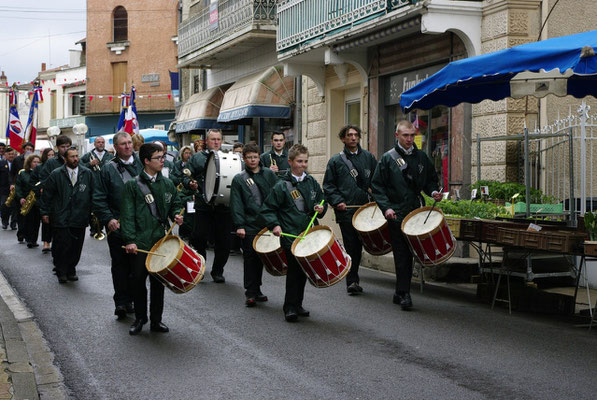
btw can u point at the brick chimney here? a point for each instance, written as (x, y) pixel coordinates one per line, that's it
(3, 79)
(43, 67)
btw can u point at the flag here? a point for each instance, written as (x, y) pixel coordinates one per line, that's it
(130, 125)
(14, 130)
(31, 128)
(124, 103)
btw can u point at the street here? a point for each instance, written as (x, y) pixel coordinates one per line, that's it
(363, 347)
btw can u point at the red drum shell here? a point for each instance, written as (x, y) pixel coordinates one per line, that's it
(434, 247)
(184, 271)
(275, 262)
(376, 242)
(328, 266)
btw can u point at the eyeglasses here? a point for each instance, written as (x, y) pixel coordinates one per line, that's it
(161, 158)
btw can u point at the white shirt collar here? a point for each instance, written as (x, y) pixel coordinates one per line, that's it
(130, 160)
(278, 154)
(299, 178)
(407, 152)
(151, 177)
(100, 155)
(70, 171)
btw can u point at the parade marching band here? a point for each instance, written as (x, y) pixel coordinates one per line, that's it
(269, 201)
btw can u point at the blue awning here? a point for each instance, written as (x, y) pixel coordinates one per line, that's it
(563, 66)
(201, 111)
(267, 94)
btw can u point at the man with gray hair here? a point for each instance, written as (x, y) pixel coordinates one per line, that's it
(106, 204)
(209, 219)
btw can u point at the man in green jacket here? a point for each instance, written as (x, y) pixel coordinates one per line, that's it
(277, 158)
(63, 143)
(107, 201)
(346, 183)
(147, 202)
(289, 208)
(249, 189)
(210, 221)
(401, 174)
(67, 199)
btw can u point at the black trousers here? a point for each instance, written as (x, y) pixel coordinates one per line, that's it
(122, 270)
(9, 214)
(403, 258)
(156, 296)
(46, 232)
(354, 248)
(66, 249)
(219, 223)
(295, 283)
(31, 223)
(21, 228)
(253, 268)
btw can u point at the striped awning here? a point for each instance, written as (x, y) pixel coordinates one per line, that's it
(201, 110)
(268, 94)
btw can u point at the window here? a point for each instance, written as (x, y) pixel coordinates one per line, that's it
(120, 24)
(53, 101)
(77, 103)
(196, 81)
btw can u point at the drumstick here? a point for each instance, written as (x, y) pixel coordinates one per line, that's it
(432, 207)
(147, 252)
(289, 235)
(312, 220)
(172, 227)
(373, 213)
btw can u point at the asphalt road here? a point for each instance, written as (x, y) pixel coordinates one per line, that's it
(361, 347)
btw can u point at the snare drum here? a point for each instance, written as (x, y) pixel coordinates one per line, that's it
(180, 269)
(373, 229)
(431, 242)
(220, 169)
(322, 258)
(271, 253)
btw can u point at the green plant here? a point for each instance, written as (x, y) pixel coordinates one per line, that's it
(505, 191)
(468, 208)
(591, 224)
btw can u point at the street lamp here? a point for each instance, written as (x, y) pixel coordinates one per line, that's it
(80, 130)
(53, 132)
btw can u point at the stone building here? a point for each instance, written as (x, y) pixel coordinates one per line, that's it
(131, 42)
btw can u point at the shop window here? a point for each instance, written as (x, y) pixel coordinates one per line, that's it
(120, 24)
(353, 113)
(77, 103)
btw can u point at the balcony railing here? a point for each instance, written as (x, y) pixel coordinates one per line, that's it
(233, 15)
(302, 20)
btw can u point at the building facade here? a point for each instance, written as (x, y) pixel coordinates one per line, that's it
(130, 42)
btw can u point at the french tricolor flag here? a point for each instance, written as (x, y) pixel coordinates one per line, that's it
(128, 118)
(31, 128)
(14, 130)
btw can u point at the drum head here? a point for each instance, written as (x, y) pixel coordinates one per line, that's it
(266, 243)
(369, 218)
(315, 241)
(169, 248)
(415, 225)
(211, 177)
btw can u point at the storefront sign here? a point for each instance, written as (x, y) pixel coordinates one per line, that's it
(213, 15)
(398, 84)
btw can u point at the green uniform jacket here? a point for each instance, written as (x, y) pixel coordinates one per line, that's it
(281, 161)
(176, 175)
(185, 194)
(86, 159)
(170, 170)
(340, 187)
(107, 199)
(137, 224)
(68, 206)
(49, 166)
(22, 185)
(391, 188)
(197, 165)
(246, 214)
(279, 208)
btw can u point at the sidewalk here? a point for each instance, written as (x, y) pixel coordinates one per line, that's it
(27, 370)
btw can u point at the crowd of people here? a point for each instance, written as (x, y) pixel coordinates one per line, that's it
(137, 191)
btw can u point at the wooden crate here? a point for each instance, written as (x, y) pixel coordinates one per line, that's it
(590, 248)
(470, 229)
(564, 242)
(508, 236)
(489, 231)
(532, 240)
(454, 224)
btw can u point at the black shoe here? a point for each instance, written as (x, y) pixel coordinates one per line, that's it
(406, 303)
(13, 228)
(120, 312)
(397, 299)
(62, 279)
(218, 278)
(261, 297)
(130, 309)
(250, 301)
(46, 250)
(136, 327)
(32, 245)
(21, 240)
(354, 288)
(158, 327)
(302, 312)
(72, 278)
(5, 227)
(290, 315)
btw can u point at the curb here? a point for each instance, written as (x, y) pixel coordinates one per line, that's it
(28, 362)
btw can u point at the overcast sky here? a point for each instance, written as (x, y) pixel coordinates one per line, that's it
(37, 31)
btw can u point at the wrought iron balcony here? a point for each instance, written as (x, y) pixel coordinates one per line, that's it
(300, 21)
(234, 16)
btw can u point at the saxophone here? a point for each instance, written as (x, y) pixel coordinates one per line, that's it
(11, 197)
(29, 203)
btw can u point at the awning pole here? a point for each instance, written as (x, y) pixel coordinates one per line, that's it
(478, 157)
(583, 157)
(571, 169)
(527, 171)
